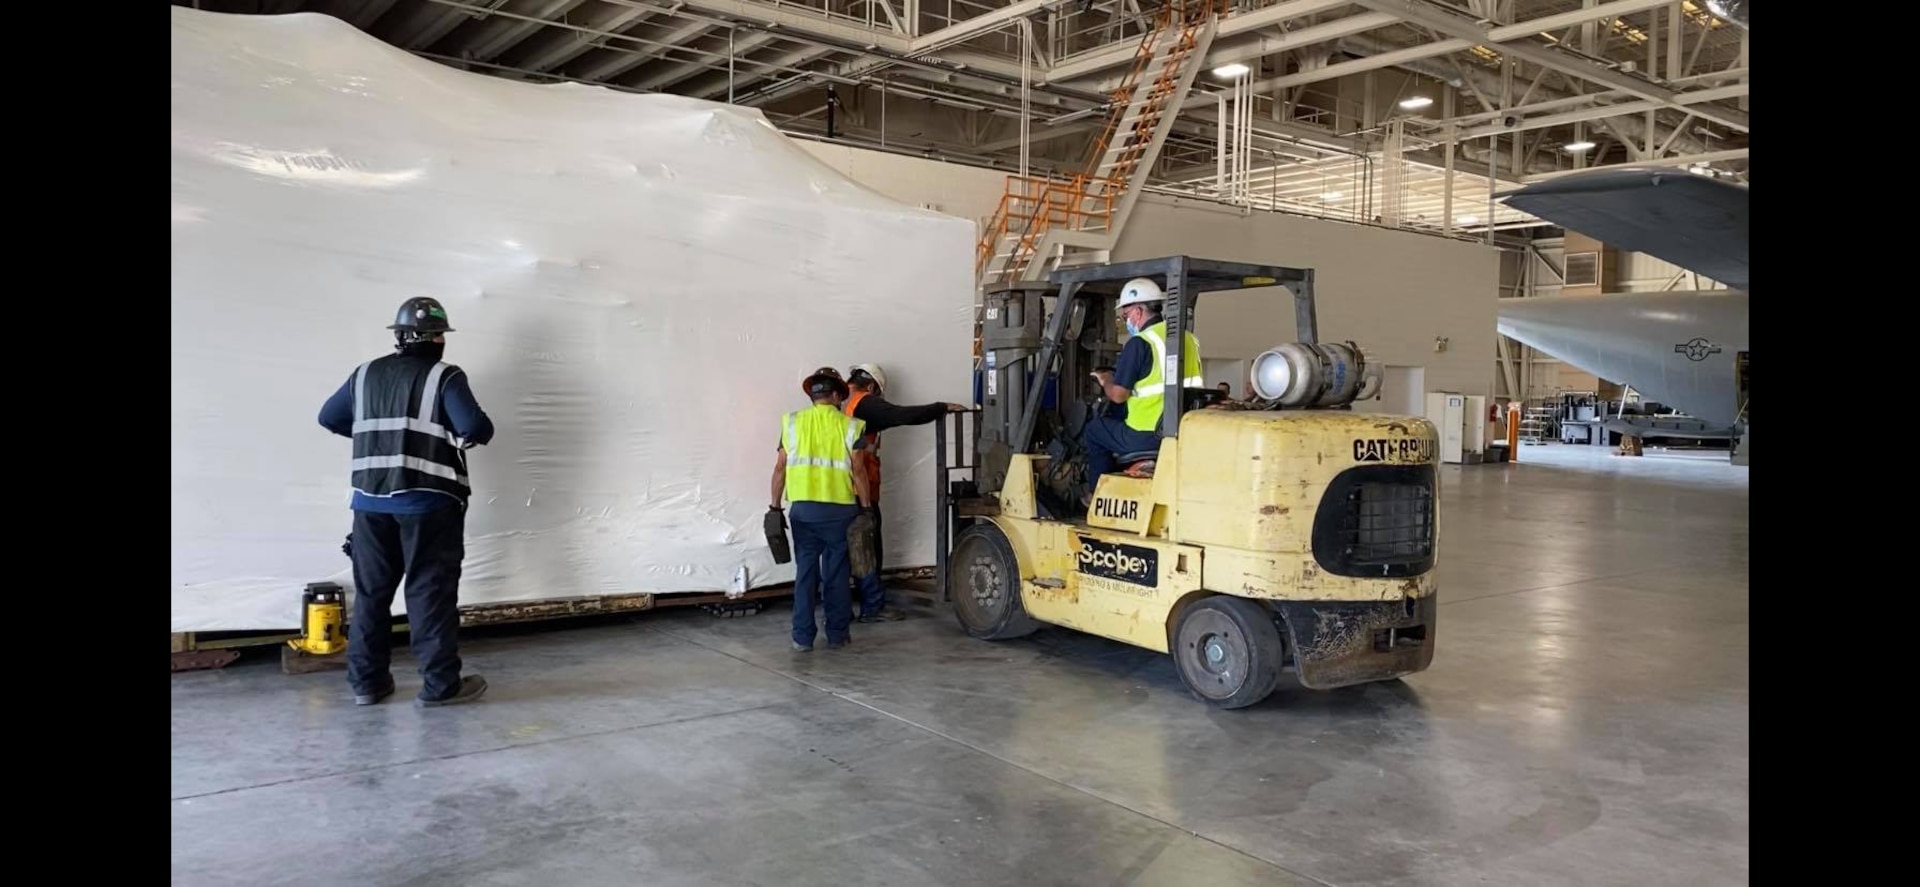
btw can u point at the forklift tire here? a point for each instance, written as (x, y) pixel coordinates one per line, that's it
(985, 578)
(1228, 651)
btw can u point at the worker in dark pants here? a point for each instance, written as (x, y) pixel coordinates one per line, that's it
(410, 417)
(816, 472)
(867, 402)
(1137, 382)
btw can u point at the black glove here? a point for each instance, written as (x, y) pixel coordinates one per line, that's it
(346, 547)
(860, 543)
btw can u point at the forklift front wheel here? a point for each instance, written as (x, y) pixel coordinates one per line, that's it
(985, 578)
(1228, 651)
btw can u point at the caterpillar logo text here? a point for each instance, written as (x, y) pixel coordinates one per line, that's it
(1126, 563)
(1404, 449)
(1116, 509)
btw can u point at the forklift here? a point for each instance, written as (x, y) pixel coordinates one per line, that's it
(1287, 532)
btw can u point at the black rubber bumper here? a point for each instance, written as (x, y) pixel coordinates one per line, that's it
(1339, 643)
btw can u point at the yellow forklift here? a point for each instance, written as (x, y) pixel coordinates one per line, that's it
(1287, 532)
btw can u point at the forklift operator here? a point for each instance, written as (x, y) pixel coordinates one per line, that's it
(1136, 382)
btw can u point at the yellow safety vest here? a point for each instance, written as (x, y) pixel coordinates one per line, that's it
(1148, 399)
(819, 443)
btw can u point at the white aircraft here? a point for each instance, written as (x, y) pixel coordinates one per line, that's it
(1687, 350)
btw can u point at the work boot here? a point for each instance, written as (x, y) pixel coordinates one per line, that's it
(839, 644)
(383, 692)
(802, 648)
(882, 616)
(471, 687)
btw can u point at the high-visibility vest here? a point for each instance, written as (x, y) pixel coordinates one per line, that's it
(819, 443)
(401, 441)
(870, 455)
(1148, 399)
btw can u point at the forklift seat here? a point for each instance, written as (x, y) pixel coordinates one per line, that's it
(1138, 464)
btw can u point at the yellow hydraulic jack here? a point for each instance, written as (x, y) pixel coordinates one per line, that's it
(323, 631)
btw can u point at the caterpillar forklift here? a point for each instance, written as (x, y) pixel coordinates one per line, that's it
(1286, 533)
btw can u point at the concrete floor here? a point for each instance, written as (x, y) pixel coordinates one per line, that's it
(1584, 722)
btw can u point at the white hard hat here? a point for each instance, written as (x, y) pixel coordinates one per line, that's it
(871, 369)
(1139, 290)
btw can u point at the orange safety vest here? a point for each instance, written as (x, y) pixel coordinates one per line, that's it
(870, 455)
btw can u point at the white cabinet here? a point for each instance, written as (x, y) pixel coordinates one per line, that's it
(1448, 413)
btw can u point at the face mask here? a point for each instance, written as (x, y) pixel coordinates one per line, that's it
(1132, 330)
(430, 350)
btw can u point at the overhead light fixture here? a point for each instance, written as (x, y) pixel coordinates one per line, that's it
(1577, 147)
(1332, 196)
(1467, 220)
(1700, 169)
(1231, 70)
(1415, 103)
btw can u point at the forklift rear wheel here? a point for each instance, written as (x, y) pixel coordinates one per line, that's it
(985, 579)
(1228, 651)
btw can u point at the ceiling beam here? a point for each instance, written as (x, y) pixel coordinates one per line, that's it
(362, 13)
(620, 61)
(668, 75)
(561, 45)
(503, 34)
(1555, 57)
(1361, 65)
(1247, 50)
(749, 71)
(1095, 61)
(1601, 112)
(419, 27)
(1442, 47)
(784, 18)
(1548, 23)
(961, 32)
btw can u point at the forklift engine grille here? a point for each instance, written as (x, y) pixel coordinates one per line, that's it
(1377, 522)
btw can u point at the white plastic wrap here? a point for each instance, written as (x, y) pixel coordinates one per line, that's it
(638, 284)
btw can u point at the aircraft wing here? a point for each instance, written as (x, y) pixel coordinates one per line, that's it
(1696, 222)
(1674, 348)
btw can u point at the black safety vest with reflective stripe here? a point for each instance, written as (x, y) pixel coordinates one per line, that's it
(401, 442)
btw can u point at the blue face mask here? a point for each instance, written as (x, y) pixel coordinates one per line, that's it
(1131, 329)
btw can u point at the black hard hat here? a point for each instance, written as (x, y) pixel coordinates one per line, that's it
(422, 316)
(823, 381)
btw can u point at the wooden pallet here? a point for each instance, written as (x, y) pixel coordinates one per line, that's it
(203, 650)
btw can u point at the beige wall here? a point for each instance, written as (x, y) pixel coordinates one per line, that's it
(1391, 291)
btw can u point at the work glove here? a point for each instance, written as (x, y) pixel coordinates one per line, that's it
(346, 547)
(861, 546)
(775, 526)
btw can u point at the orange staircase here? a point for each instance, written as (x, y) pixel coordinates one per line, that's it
(1038, 214)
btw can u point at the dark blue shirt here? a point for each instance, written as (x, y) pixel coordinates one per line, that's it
(1136, 361)
(463, 415)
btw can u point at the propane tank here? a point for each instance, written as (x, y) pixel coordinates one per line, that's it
(1299, 375)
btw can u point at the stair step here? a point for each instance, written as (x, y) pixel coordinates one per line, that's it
(1139, 111)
